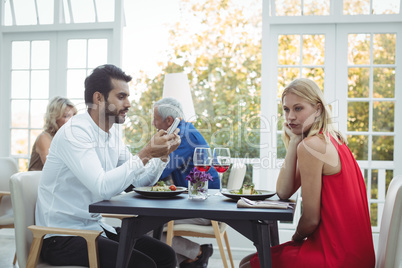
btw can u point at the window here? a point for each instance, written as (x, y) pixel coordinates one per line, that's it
(51, 60)
(357, 68)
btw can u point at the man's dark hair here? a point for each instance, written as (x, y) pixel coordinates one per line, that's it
(101, 80)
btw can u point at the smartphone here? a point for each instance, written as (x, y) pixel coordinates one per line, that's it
(174, 125)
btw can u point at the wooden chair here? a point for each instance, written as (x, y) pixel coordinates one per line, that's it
(8, 167)
(24, 192)
(215, 230)
(389, 252)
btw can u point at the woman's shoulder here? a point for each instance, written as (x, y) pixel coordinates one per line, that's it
(315, 143)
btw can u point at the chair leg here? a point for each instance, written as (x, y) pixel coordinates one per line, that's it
(169, 233)
(15, 258)
(218, 237)
(225, 236)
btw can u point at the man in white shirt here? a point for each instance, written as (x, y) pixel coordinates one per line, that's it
(88, 162)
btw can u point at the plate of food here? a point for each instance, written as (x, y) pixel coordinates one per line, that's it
(249, 192)
(160, 190)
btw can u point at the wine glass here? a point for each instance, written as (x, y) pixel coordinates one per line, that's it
(202, 158)
(221, 162)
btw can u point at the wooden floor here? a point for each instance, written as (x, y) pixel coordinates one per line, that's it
(7, 250)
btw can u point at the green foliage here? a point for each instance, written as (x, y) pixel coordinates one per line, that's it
(220, 50)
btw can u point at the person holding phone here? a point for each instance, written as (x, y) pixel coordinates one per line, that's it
(189, 254)
(89, 162)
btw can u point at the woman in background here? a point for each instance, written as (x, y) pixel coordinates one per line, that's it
(59, 111)
(334, 229)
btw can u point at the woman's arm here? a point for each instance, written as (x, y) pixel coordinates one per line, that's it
(42, 146)
(289, 176)
(311, 182)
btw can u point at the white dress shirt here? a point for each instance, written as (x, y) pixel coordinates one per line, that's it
(86, 165)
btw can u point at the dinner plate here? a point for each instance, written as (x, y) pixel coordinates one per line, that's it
(263, 194)
(146, 191)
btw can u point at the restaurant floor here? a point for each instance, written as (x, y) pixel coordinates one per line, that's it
(7, 250)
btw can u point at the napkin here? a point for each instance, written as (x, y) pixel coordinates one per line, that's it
(247, 203)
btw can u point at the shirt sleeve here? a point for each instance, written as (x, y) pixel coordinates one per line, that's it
(78, 153)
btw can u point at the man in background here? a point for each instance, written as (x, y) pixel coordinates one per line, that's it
(189, 253)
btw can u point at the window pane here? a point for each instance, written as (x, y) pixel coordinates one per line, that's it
(358, 145)
(384, 48)
(316, 7)
(19, 113)
(358, 49)
(19, 141)
(313, 49)
(77, 53)
(38, 110)
(285, 76)
(288, 7)
(23, 164)
(75, 83)
(25, 13)
(383, 82)
(373, 214)
(20, 54)
(80, 104)
(383, 148)
(281, 150)
(105, 9)
(40, 55)
(289, 49)
(389, 174)
(7, 14)
(97, 52)
(316, 74)
(66, 12)
(45, 10)
(383, 116)
(83, 11)
(19, 84)
(358, 82)
(386, 7)
(40, 84)
(358, 117)
(356, 7)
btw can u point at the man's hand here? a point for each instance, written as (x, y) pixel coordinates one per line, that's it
(160, 146)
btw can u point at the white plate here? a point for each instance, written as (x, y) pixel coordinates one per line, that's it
(261, 196)
(146, 191)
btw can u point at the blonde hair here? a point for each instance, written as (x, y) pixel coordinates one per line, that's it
(55, 110)
(308, 90)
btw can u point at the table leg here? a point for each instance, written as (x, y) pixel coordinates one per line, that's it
(273, 229)
(126, 243)
(262, 241)
(157, 233)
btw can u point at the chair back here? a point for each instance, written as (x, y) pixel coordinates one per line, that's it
(236, 176)
(389, 253)
(8, 167)
(24, 192)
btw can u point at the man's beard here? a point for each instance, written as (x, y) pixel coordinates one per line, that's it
(114, 115)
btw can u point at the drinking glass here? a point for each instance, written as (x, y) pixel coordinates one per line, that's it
(221, 162)
(202, 158)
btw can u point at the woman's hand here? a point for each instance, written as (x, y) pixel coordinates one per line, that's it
(294, 138)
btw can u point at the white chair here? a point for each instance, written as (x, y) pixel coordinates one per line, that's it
(389, 253)
(236, 176)
(216, 230)
(24, 192)
(8, 167)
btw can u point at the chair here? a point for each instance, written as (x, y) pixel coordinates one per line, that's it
(216, 229)
(8, 166)
(389, 252)
(24, 192)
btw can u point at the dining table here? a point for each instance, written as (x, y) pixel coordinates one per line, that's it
(150, 213)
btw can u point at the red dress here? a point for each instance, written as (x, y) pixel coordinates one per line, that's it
(343, 237)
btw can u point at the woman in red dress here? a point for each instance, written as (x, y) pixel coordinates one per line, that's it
(334, 230)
